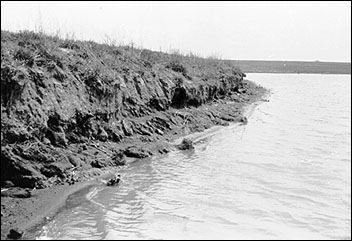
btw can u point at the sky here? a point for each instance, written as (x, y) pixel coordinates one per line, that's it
(298, 31)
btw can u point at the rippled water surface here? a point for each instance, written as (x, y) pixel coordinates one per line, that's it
(284, 175)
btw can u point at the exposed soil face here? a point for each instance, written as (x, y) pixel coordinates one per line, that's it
(70, 107)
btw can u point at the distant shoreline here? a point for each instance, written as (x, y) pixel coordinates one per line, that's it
(294, 73)
(293, 67)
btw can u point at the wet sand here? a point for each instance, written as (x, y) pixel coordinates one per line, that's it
(25, 213)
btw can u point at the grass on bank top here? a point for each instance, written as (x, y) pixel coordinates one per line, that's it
(36, 47)
(109, 44)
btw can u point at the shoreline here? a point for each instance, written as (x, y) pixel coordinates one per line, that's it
(27, 213)
(83, 108)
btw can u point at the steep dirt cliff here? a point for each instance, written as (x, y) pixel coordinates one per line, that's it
(69, 105)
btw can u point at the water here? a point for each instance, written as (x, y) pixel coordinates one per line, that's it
(285, 175)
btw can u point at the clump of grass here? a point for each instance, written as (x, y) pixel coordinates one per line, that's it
(177, 67)
(25, 55)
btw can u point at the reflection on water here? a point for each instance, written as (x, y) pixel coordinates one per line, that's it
(285, 175)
